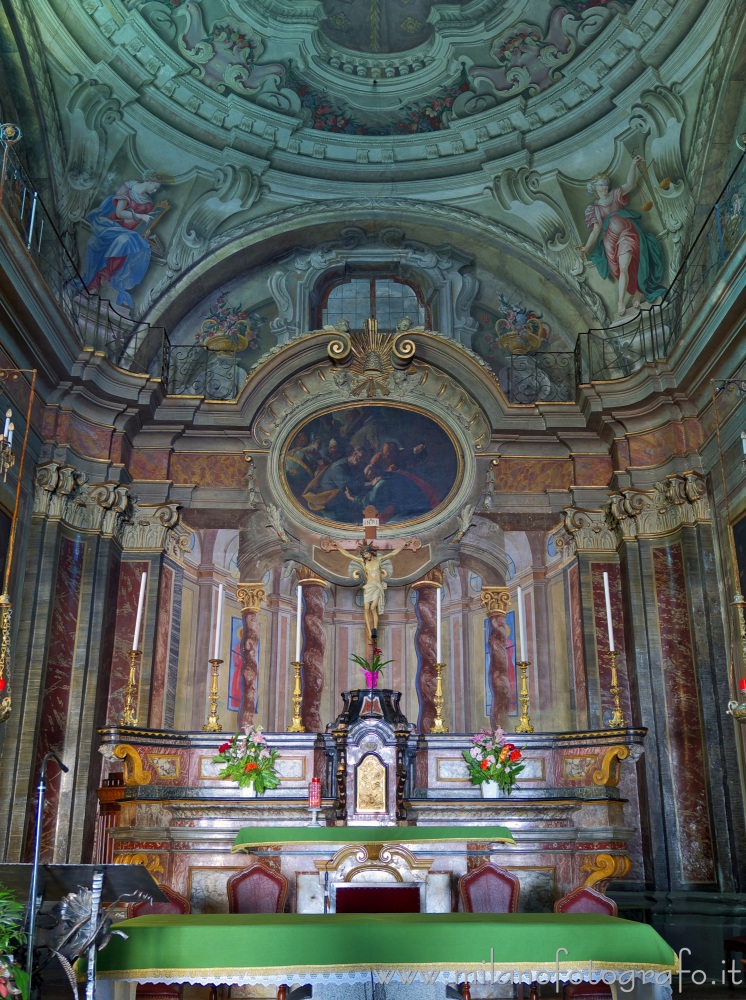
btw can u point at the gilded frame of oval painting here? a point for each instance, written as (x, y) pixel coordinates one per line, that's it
(402, 460)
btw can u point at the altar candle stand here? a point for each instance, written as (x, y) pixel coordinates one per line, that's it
(129, 715)
(314, 800)
(617, 720)
(213, 722)
(439, 725)
(524, 720)
(296, 726)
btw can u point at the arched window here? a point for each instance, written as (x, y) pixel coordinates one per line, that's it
(356, 298)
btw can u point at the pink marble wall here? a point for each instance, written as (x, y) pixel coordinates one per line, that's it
(209, 469)
(130, 575)
(159, 676)
(523, 475)
(150, 464)
(592, 470)
(683, 719)
(57, 681)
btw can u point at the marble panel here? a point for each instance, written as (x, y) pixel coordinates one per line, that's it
(578, 676)
(592, 470)
(538, 888)
(683, 718)
(160, 657)
(523, 475)
(658, 446)
(150, 464)
(227, 471)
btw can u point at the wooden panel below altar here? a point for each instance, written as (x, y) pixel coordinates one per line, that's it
(574, 816)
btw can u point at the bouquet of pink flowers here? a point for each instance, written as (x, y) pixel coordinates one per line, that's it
(248, 760)
(492, 758)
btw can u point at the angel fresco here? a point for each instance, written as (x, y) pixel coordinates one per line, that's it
(619, 246)
(117, 254)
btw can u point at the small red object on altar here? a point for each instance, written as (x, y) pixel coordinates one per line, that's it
(743, 683)
(314, 794)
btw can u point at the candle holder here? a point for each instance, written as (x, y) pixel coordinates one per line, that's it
(616, 720)
(296, 726)
(129, 714)
(314, 816)
(737, 709)
(213, 723)
(439, 725)
(524, 720)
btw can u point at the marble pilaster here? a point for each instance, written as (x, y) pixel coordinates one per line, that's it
(495, 601)
(250, 597)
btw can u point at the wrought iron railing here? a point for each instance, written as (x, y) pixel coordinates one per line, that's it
(540, 376)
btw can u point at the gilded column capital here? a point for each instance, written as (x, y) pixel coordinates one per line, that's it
(495, 600)
(306, 577)
(250, 596)
(432, 579)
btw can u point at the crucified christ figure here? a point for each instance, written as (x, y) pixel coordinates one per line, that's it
(374, 587)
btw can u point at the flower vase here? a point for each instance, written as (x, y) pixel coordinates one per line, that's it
(491, 790)
(249, 792)
(371, 678)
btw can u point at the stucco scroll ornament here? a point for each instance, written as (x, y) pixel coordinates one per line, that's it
(589, 530)
(274, 517)
(465, 521)
(373, 357)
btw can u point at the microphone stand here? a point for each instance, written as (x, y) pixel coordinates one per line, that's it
(34, 902)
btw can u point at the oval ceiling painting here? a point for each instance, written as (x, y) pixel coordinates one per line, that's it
(398, 460)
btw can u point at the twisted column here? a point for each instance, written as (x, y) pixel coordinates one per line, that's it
(495, 601)
(425, 644)
(314, 645)
(250, 597)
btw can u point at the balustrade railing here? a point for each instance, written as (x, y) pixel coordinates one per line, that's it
(540, 376)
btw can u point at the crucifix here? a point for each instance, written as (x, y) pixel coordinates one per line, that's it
(371, 569)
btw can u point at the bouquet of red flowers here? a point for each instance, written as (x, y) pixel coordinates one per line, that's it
(492, 758)
(248, 760)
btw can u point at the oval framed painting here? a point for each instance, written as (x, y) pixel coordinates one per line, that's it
(403, 462)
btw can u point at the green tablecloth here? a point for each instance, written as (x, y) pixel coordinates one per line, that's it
(266, 836)
(223, 948)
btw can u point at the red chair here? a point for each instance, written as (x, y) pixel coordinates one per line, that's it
(489, 889)
(176, 904)
(586, 900)
(256, 889)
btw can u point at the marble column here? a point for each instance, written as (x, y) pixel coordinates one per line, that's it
(314, 647)
(425, 643)
(495, 601)
(250, 597)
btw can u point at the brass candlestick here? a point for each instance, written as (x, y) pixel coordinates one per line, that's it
(524, 721)
(213, 722)
(439, 725)
(296, 726)
(617, 720)
(738, 709)
(129, 713)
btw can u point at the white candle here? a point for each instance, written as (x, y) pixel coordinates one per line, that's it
(743, 437)
(140, 606)
(523, 651)
(438, 628)
(297, 624)
(9, 414)
(219, 625)
(608, 612)
(11, 428)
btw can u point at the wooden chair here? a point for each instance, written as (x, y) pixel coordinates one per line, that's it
(256, 889)
(489, 889)
(176, 904)
(586, 900)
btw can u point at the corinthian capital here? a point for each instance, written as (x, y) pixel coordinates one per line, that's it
(250, 596)
(495, 600)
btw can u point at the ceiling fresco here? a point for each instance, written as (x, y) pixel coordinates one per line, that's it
(214, 159)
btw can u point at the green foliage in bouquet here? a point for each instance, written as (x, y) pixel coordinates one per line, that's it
(248, 760)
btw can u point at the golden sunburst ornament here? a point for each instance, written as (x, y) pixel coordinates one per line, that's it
(374, 356)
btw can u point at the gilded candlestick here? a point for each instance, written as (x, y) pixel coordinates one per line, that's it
(738, 709)
(617, 720)
(131, 698)
(213, 723)
(524, 720)
(439, 725)
(296, 726)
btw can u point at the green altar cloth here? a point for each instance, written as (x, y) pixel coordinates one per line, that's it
(215, 948)
(269, 836)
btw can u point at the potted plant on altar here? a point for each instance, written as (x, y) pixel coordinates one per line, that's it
(372, 667)
(249, 761)
(494, 763)
(13, 978)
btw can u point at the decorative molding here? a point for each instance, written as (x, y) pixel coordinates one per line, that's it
(151, 862)
(134, 773)
(495, 600)
(434, 578)
(610, 770)
(605, 867)
(588, 530)
(150, 525)
(250, 596)
(678, 500)
(306, 577)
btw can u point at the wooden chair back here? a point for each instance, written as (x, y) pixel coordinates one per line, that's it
(489, 889)
(257, 889)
